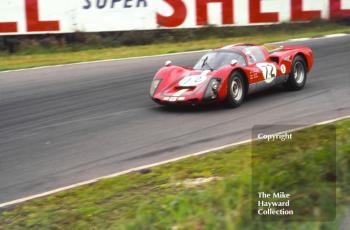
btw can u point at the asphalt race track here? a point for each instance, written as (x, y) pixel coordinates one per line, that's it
(63, 125)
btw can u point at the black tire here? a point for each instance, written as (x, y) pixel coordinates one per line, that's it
(236, 90)
(298, 75)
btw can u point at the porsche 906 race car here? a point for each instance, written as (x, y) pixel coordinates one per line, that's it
(232, 72)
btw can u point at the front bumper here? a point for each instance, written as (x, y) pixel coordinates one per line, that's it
(205, 94)
(192, 102)
(183, 101)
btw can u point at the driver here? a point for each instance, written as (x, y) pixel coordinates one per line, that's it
(250, 56)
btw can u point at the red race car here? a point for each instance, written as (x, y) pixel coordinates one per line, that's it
(230, 73)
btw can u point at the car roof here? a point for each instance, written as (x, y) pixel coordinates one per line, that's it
(240, 46)
(237, 48)
(270, 48)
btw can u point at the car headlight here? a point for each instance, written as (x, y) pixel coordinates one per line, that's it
(154, 86)
(211, 92)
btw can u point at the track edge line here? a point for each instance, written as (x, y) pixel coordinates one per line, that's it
(28, 198)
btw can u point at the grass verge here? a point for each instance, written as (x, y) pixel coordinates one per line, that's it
(211, 191)
(214, 37)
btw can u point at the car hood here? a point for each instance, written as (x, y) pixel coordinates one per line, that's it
(187, 80)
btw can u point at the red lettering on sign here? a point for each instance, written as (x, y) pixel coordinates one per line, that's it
(178, 16)
(202, 11)
(257, 16)
(8, 27)
(33, 22)
(298, 14)
(336, 10)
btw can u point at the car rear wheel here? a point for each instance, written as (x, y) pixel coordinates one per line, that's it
(236, 90)
(298, 74)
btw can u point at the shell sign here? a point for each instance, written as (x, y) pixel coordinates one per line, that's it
(66, 16)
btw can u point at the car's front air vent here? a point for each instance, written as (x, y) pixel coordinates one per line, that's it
(275, 59)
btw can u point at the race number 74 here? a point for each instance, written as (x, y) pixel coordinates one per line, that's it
(268, 70)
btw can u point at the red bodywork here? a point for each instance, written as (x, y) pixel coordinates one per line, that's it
(171, 91)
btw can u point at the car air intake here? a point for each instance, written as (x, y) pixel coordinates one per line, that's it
(185, 87)
(275, 59)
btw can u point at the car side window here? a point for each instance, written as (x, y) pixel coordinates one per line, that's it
(226, 57)
(241, 60)
(254, 55)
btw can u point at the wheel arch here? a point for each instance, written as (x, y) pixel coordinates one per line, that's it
(245, 77)
(303, 56)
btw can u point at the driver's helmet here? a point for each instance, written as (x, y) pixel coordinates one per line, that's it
(250, 56)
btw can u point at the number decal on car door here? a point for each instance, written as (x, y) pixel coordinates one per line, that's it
(268, 70)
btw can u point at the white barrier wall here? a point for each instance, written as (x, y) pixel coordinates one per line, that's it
(65, 16)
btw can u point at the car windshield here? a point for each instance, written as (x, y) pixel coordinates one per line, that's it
(217, 59)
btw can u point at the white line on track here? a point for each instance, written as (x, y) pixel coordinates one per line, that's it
(335, 35)
(159, 55)
(299, 39)
(101, 61)
(24, 199)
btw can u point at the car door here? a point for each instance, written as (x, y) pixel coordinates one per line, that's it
(263, 73)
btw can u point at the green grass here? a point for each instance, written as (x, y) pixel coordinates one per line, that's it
(163, 198)
(215, 38)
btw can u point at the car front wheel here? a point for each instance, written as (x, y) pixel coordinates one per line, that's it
(236, 90)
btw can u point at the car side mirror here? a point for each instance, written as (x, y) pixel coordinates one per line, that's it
(168, 63)
(233, 62)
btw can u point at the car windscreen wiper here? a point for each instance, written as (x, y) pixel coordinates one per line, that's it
(205, 63)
